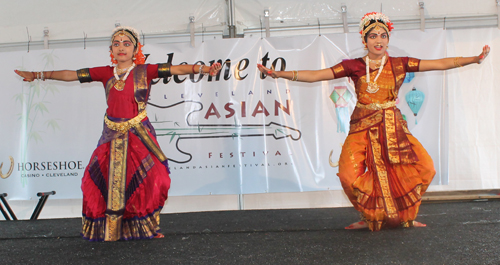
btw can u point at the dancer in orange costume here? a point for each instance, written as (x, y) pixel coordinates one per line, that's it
(126, 182)
(383, 169)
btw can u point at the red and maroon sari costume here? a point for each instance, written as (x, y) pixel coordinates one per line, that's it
(383, 169)
(126, 182)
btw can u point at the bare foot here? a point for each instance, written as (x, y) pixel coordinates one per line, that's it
(357, 225)
(418, 224)
(159, 235)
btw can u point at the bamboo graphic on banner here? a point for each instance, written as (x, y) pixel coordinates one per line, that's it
(34, 105)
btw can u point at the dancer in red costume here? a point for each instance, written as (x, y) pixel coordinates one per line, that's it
(383, 169)
(126, 182)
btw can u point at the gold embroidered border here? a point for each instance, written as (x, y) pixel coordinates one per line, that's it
(93, 230)
(367, 122)
(136, 228)
(375, 225)
(109, 85)
(391, 136)
(383, 178)
(407, 224)
(399, 74)
(149, 143)
(141, 86)
(142, 228)
(116, 187)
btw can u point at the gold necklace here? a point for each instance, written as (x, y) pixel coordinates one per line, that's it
(372, 86)
(377, 63)
(120, 83)
(121, 71)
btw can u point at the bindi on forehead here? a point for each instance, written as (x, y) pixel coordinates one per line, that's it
(121, 39)
(380, 32)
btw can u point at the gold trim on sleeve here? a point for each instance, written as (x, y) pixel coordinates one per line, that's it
(338, 71)
(413, 65)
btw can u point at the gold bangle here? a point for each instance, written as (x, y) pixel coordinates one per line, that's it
(457, 64)
(295, 75)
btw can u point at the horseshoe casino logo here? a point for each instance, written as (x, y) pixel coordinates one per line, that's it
(10, 169)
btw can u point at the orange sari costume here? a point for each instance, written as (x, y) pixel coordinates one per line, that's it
(383, 169)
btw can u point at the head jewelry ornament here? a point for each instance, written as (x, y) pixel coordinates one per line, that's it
(130, 32)
(374, 20)
(133, 35)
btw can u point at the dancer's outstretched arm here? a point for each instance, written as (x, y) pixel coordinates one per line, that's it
(302, 75)
(62, 75)
(70, 75)
(449, 63)
(195, 69)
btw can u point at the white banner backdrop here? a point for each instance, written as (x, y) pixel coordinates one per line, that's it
(238, 133)
(473, 103)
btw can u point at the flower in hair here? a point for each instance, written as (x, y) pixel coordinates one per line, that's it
(375, 16)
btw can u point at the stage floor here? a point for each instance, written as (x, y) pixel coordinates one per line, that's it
(457, 233)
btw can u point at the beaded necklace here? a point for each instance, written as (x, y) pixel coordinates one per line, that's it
(120, 83)
(372, 86)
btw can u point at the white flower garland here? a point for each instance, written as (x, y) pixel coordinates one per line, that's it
(120, 83)
(372, 86)
(376, 16)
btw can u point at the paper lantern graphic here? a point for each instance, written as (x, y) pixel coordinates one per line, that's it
(415, 98)
(409, 76)
(340, 97)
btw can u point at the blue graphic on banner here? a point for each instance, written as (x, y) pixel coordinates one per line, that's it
(340, 97)
(415, 98)
(409, 77)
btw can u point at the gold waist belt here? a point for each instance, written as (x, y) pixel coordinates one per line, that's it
(123, 127)
(377, 106)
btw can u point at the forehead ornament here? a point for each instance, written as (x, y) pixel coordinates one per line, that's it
(124, 33)
(375, 21)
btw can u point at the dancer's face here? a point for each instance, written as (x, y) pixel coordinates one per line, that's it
(377, 41)
(123, 49)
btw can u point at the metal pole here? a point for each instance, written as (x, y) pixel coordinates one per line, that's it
(498, 13)
(191, 28)
(41, 202)
(7, 206)
(232, 27)
(266, 22)
(344, 18)
(46, 38)
(422, 16)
